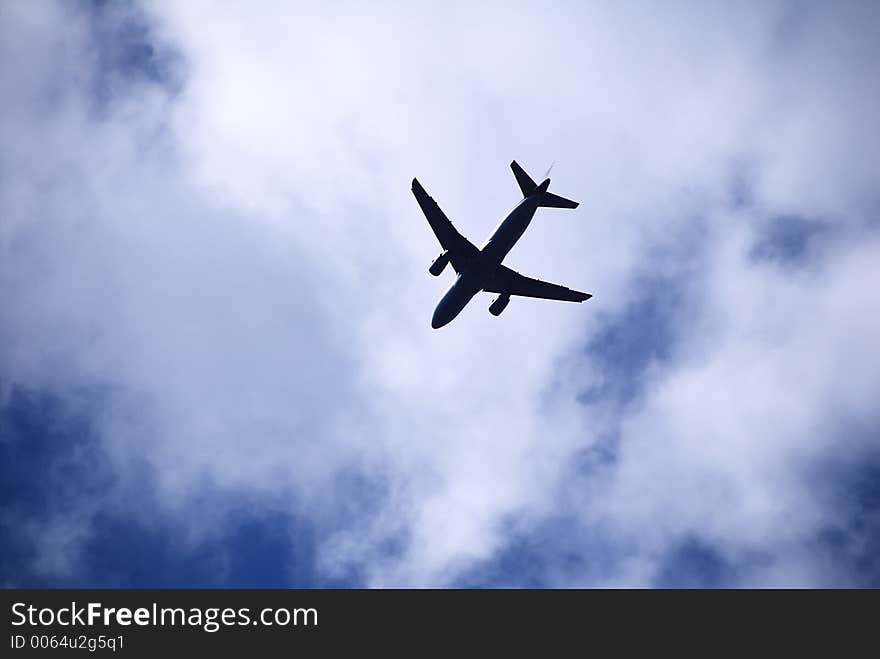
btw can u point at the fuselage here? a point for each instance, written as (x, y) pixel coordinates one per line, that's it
(472, 279)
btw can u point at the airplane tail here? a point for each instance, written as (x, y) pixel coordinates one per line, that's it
(529, 187)
(550, 200)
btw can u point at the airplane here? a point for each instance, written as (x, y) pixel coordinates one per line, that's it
(480, 269)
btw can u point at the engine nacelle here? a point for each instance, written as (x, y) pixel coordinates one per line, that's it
(439, 264)
(499, 303)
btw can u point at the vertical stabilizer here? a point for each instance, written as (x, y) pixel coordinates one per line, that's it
(526, 184)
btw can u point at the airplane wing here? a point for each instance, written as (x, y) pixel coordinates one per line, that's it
(508, 281)
(460, 249)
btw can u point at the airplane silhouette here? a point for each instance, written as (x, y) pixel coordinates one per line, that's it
(480, 269)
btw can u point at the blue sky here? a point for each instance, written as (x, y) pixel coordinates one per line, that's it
(216, 361)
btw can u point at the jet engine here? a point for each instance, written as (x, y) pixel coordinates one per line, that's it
(498, 304)
(439, 264)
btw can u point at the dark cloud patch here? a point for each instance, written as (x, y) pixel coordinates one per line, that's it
(741, 189)
(248, 551)
(629, 342)
(845, 553)
(523, 562)
(851, 545)
(127, 53)
(648, 330)
(790, 241)
(559, 551)
(695, 564)
(52, 465)
(646, 334)
(48, 463)
(357, 495)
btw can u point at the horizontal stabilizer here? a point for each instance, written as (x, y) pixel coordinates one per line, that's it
(526, 184)
(550, 200)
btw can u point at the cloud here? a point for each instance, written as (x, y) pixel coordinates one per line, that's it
(207, 228)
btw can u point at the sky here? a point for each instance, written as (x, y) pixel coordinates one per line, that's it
(216, 361)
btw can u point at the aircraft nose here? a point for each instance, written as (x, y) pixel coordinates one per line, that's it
(441, 316)
(437, 320)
